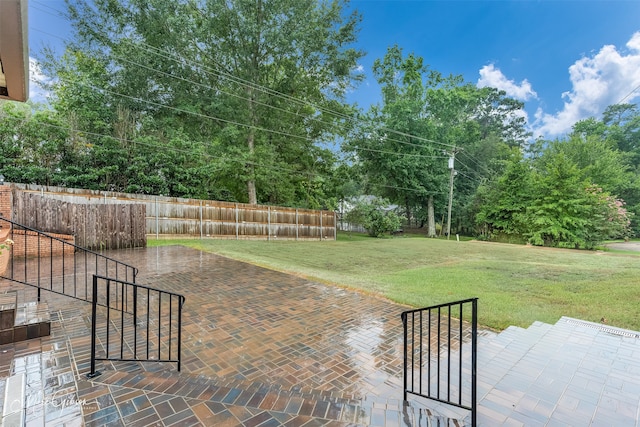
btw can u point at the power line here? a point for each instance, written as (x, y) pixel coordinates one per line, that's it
(417, 190)
(306, 138)
(260, 103)
(190, 152)
(301, 174)
(461, 173)
(238, 80)
(481, 166)
(628, 95)
(215, 118)
(470, 177)
(288, 97)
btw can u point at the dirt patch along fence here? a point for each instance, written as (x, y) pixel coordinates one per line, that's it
(97, 227)
(178, 217)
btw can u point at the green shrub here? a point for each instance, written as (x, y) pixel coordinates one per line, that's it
(375, 216)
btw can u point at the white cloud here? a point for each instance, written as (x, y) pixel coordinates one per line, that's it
(490, 76)
(36, 92)
(606, 78)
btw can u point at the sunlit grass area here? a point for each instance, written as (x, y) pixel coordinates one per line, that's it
(516, 284)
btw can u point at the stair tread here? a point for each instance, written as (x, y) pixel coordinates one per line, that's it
(14, 395)
(225, 392)
(8, 300)
(32, 312)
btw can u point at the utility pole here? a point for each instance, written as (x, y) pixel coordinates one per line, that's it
(452, 159)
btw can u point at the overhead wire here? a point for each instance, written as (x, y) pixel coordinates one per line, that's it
(238, 80)
(303, 174)
(135, 142)
(467, 176)
(261, 165)
(215, 118)
(261, 103)
(417, 190)
(628, 95)
(264, 89)
(288, 97)
(474, 161)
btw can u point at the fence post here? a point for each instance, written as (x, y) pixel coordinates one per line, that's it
(157, 230)
(335, 226)
(268, 223)
(200, 219)
(94, 307)
(321, 226)
(237, 224)
(297, 224)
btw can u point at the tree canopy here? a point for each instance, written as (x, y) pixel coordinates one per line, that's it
(244, 101)
(425, 118)
(254, 88)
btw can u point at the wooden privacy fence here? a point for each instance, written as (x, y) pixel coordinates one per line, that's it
(172, 216)
(112, 226)
(200, 218)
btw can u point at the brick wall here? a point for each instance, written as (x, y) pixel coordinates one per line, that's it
(5, 212)
(31, 240)
(5, 201)
(26, 242)
(5, 254)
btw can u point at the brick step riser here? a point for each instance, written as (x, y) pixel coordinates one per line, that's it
(22, 321)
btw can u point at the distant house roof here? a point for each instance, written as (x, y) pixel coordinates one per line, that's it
(349, 203)
(14, 50)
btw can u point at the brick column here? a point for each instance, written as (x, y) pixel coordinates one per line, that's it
(5, 201)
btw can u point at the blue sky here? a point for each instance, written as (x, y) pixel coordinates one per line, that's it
(535, 50)
(567, 60)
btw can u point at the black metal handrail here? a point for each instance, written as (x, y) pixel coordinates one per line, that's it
(128, 335)
(440, 361)
(55, 265)
(49, 263)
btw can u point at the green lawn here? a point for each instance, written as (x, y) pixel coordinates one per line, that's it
(516, 284)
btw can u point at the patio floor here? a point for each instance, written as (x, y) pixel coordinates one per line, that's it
(263, 348)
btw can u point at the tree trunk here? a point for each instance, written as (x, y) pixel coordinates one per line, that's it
(431, 218)
(408, 211)
(250, 167)
(251, 96)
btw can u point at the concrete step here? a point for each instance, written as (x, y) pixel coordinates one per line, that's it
(8, 304)
(14, 401)
(508, 347)
(572, 373)
(40, 392)
(20, 321)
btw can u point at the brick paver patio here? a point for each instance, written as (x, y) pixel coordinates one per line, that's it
(259, 348)
(263, 348)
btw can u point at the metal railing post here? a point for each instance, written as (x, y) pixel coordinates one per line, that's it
(404, 363)
(135, 308)
(180, 333)
(94, 309)
(474, 362)
(443, 353)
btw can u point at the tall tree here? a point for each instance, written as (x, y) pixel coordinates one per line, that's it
(564, 196)
(423, 119)
(260, 81)
(502, 202)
